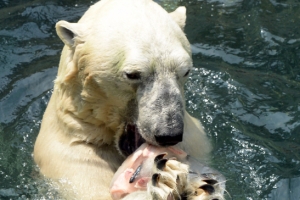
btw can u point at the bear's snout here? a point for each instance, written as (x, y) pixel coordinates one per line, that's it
(161, 112)
(170, 134)
(171, 138)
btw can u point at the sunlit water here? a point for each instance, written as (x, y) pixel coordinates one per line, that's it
(245, 89)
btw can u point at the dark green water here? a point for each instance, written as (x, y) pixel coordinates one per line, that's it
(245, 89)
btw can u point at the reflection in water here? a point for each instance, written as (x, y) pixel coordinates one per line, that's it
(244, 88)
(228, 55)
(25, 91)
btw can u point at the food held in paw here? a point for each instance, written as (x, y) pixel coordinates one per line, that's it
(163, 171)
(136, 171)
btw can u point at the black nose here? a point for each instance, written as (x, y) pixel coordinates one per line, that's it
(169, 140)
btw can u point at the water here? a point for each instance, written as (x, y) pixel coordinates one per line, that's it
(244, 89)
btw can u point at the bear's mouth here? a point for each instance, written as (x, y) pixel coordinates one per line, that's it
(130, 139)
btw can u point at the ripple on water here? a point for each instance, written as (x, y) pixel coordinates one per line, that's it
(246, 131)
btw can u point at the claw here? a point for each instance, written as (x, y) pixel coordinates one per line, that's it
(155, 179)
(161, 164)
(210, 181)
(208, 188)
(159, 157)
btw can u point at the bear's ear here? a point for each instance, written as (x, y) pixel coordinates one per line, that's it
(179, 16)
(67, 32)
(70, 34)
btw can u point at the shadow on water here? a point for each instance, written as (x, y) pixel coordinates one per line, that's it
(244, 89)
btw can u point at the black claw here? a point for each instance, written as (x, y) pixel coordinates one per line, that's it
(208, 188)
(210, 181)
(159, 157)
(155, 179)
(161, 164)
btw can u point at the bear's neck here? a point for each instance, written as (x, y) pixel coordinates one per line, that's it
(93, 122)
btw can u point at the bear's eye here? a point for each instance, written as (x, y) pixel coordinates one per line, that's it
(187, 73)
(133, 76)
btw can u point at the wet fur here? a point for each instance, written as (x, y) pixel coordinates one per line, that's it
(93, 99)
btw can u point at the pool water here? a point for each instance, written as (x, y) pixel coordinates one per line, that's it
(245, 89)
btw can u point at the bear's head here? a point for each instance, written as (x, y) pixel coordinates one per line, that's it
(125, 64)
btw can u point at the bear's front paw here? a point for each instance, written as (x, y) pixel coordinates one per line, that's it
(169, 179)
(172, 180)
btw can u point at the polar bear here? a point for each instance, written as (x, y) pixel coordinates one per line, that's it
(120, 83)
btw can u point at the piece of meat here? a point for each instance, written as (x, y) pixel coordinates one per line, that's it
(135, 172)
